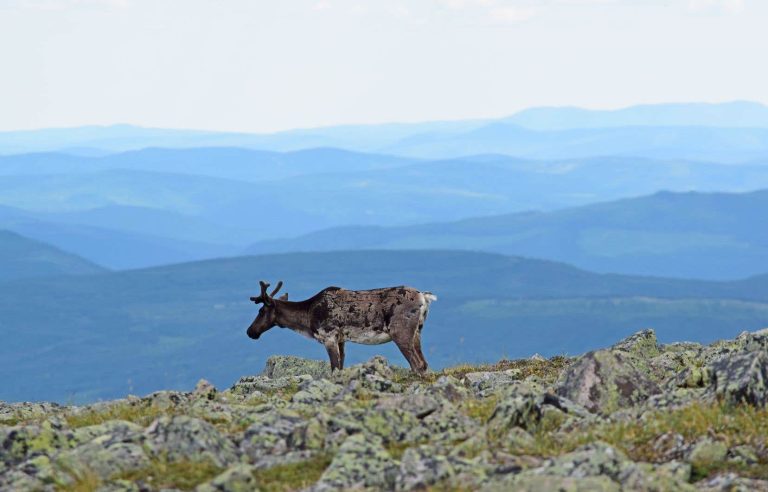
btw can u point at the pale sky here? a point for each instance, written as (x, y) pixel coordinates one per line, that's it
(258, 65)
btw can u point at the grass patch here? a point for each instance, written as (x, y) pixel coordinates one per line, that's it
(82, 481)
(138, 413)
(292, 476)
(164, 474)
(548, 369)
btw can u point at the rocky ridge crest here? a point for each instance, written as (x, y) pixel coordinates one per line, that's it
(635, 416)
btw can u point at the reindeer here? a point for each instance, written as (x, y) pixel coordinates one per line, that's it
(334, 316)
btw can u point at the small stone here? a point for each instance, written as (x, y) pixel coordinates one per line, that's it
(205, 390)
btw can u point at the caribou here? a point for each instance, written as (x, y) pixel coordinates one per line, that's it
(335, 316)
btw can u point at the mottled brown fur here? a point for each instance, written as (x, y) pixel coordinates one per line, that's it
(334, 316)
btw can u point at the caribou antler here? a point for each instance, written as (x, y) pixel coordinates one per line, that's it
(264, 297)
(279, 286)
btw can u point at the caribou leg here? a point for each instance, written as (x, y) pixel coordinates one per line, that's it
(341, 355)
(334, 354)
(405, 344)
(419, 353)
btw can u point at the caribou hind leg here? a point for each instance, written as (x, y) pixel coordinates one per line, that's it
(334, 354)
(417, 350)
(404, 339)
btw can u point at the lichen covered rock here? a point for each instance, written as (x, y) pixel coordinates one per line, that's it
(280, 366)
(188, 438)
(607, 380)
(238, 478)
(360, 462)
(742, 378)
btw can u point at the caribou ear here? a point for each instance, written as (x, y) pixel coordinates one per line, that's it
(256, 299)
(284, 297)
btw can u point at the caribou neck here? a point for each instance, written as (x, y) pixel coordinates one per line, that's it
(292, 315)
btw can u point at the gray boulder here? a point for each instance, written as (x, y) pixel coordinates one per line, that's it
(741, 378)
(608, 380)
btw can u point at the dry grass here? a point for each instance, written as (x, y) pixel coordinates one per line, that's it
(164, 474)
(138, 413)
(292, 476)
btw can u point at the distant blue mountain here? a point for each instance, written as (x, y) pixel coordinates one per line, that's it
(739, 114)
(218, 162)
(218, 201)
(704, 143)
(732, 132)
(688, 235)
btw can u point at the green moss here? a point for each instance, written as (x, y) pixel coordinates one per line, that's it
(397, 449)
(479, 409)
(165, 474)
(292, 476)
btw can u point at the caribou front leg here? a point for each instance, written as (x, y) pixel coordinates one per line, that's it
(341, 355)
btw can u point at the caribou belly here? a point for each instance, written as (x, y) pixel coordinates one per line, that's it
(367, 336)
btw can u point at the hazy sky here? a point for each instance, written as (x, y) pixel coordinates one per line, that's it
(259, 65)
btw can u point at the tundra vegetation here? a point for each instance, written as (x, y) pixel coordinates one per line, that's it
(638, 415)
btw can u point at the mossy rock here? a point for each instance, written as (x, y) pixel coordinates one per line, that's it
(361, 462)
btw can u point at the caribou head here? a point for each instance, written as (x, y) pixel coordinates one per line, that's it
(267, 317)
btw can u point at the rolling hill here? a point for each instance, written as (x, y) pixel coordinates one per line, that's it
(689, 235)
(241, 164)
(21, 257)
(84, 338)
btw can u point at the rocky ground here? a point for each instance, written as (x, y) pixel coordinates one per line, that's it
(635, 416)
